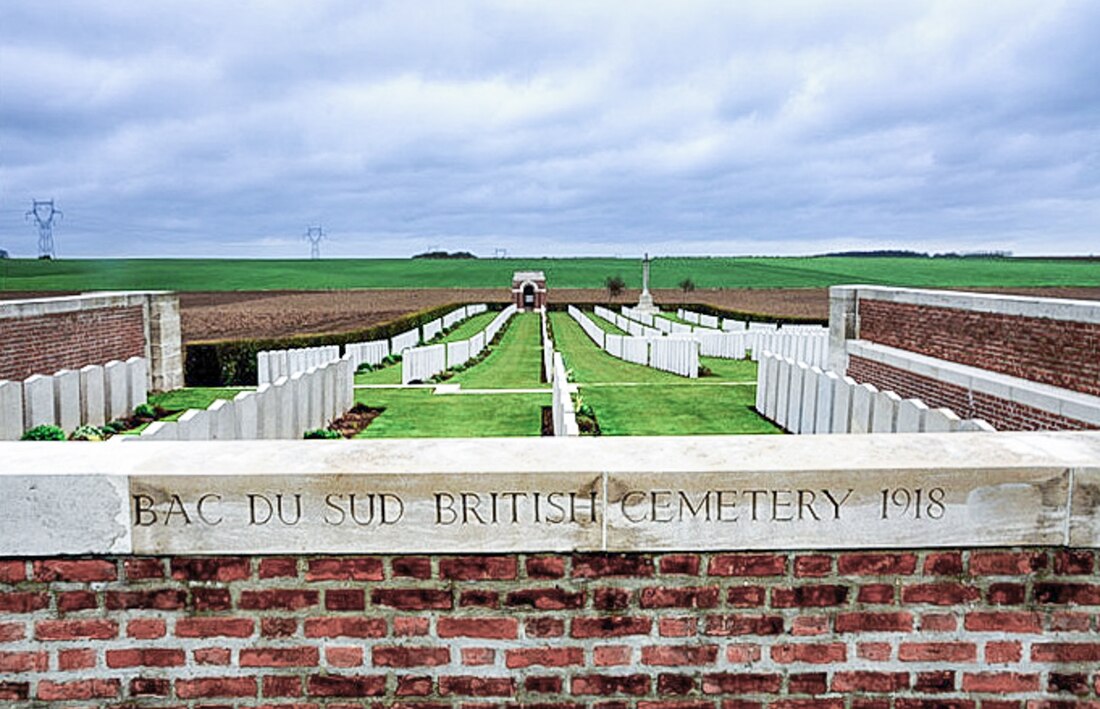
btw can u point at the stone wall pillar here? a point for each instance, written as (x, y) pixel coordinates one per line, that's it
(163, 343)
(843, 325)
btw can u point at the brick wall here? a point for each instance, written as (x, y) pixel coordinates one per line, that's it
(946, 628)
(1003, 414)
(1061, 353)
(43, 344)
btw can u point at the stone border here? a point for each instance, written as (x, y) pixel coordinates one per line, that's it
(1015, 305)
(1063, 402)
(729, 492)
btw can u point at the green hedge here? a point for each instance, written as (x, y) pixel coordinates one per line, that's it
(233, 362)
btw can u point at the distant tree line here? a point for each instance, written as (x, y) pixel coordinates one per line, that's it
(445, 255)
(900, 253)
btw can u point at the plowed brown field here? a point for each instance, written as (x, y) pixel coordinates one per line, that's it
(233, 315)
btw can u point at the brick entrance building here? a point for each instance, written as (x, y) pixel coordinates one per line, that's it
(529, 290)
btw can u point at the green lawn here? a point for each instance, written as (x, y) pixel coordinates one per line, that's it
(418, 413)
(606, 325)
(470, 327)
(590, 364)
(660, 410)
(386, 375)
(764, 272)
(194, 398)
(514, 363)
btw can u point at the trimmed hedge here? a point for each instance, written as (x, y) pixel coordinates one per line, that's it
(233, 362)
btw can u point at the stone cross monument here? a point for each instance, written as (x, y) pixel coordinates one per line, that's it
(645, 302)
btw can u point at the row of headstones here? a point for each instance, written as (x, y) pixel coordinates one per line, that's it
(272, 364)
(802, 342)
(676, 355)
(72, 398)
(285, 408)
(805, 399)
(419, 364)
(563, 409)
(801, 345)
(547, 348)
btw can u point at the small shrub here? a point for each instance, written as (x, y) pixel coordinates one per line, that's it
(705, 371)
(145, 411)
(45, 432)
(321, 433)
(366, 367)
(87, 433)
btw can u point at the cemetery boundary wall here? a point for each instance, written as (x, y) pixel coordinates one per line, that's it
(1021, 363)
(947, 570)
(44, 335)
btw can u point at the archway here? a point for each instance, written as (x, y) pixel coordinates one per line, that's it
(528, 296)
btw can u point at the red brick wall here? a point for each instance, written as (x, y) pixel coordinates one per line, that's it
(957, 628)
(1055, 352)
(47, 343)
(1003, 414)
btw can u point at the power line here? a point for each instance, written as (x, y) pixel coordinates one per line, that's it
(314, 236)
(43, 212)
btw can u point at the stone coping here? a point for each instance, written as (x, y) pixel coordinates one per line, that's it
(551, 494)
(31, 307)
(1064, 402)
(1015, 305)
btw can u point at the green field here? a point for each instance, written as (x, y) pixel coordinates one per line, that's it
(763, 272)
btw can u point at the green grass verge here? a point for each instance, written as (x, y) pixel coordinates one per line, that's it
(606, 325)
(386, 375)
(226, 274)
(469, 327)
(590, 364)
(418, 413)
(514, 363)
(180, 400)
(675, 411)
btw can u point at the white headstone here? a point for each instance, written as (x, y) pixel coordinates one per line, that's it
(941, 420)
(316, 384)
(810, 382)
(11, 410)
(263, 369)
(115, 392)
(885, 415)
(267, 412)
(38, 402)
(137, 383)
(247, 416)
(827, 385)
(976, 425)
(66, 395)
(782, 391)
(842, 405)
(92, 402)
(160, 431)
(794, 397)
(194, 425)
(911, 414)
(863, 408)
(222, 420)
(287, 396)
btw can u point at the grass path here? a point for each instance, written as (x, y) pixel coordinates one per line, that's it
(418, 413)
(515, 362)
(469, 327)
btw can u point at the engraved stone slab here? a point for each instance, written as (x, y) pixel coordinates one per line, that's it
(366, 513)
(63, 514)
(820, 510)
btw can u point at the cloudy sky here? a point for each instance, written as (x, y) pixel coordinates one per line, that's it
(219, 128)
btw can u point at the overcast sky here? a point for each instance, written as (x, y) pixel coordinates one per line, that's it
(553, 128)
